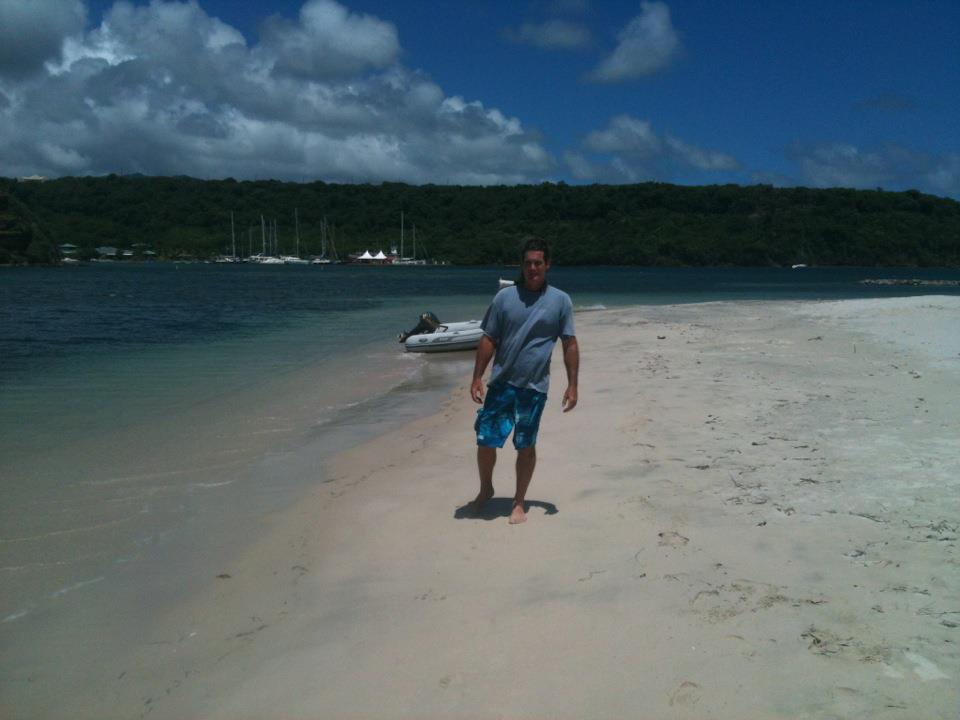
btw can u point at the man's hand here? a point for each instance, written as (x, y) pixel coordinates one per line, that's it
(476, 390)
(485, 351)
(571, 359)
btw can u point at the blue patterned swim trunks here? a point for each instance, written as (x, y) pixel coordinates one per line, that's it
(509, 408)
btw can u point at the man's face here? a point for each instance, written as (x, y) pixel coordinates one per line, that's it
(534, 269)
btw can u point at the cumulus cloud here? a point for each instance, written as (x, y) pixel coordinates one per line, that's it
(646, 45)
(166, 89)
(892, 167)
(580, 167)
(698, 158)
(329, 42)
(630, 150)
(627, 135)
(31, 33)
(551, 35)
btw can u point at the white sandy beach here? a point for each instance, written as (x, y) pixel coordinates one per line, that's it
(752, 513)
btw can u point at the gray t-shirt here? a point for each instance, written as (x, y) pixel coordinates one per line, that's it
(525, 326)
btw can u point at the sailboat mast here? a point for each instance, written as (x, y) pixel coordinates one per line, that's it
(263, 235)
(296, 229)
(233, 237)
(401, 235)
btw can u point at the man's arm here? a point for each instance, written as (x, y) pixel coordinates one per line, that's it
(485, 351)
(571, 359)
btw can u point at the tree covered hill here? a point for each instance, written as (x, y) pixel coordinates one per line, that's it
(643, 224)
(21, 238)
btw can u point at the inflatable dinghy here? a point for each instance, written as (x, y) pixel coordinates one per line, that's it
(431, 335)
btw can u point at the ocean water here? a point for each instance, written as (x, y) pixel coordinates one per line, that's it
(151, 414)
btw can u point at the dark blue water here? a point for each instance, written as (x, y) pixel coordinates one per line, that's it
(46, 313)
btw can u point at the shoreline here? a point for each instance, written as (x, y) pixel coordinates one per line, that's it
(751, 513)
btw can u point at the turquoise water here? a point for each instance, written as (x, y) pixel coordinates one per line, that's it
(149, 414)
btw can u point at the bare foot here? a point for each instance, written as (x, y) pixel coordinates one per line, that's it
(484, 495)
(518, 515)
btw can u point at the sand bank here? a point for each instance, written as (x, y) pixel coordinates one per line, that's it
(753, 513)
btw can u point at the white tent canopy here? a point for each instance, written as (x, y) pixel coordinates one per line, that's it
(380, 256)
(366, 255)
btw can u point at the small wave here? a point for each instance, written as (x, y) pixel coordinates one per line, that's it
(591, 308)
(75, 586)
(70, 531)
(167, 473)
(212, 485)
(15, 616)
(272, 431)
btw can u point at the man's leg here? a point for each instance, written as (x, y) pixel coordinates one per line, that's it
(486, 459)
(526, 462)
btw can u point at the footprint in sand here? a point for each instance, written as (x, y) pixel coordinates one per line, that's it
(688, 694)
(669, 538)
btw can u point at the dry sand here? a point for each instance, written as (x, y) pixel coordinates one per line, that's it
(753, 513)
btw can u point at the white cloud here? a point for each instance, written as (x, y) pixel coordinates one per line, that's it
(943, 177)
(892, 167)
(630, 150)
(330, 42)
(580, 167)
(63, 157)
(552, 35)
(701, 159)
(628, 135)
(842, 165)
(32, 33)
(166, 89)
(647, 45)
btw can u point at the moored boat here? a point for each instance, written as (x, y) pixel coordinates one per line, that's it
(430, 335)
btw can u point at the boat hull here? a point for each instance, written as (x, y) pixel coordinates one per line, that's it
(452, 337)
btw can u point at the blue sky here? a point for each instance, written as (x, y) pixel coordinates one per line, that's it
(824, 94)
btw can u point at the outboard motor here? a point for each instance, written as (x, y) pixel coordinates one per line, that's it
(428, 323)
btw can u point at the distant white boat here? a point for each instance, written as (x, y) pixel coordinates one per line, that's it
(293, 260)
(798, 266)
(506, 283)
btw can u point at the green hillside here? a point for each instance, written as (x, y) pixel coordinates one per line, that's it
(644, 224)
(21, 239)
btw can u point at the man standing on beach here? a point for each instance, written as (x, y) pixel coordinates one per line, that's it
(520, 330)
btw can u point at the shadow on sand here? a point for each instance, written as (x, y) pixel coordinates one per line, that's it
(500, 507)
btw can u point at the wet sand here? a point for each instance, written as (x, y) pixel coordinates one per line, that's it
(752, 513)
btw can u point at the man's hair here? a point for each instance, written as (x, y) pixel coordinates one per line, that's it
(532, 242)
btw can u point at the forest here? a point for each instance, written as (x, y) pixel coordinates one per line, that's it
(642, 224)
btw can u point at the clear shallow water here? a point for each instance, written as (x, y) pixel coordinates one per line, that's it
(150, 413)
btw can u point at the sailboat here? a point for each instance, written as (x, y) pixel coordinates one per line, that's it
(323, 259)
(295, 259)
(263, 258)
(232, 258)
(412, 260)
